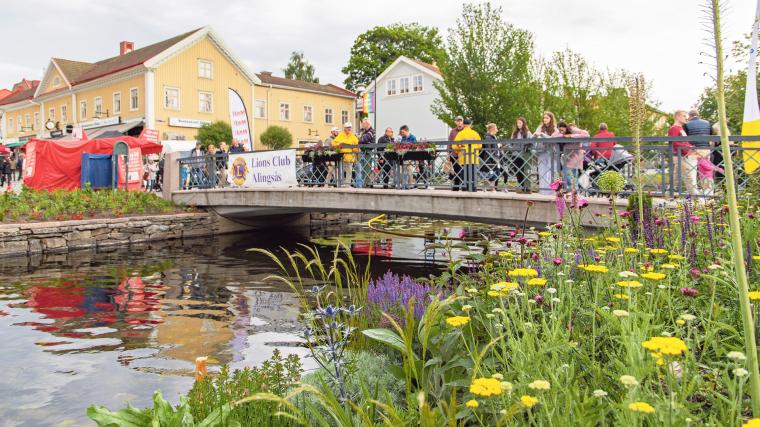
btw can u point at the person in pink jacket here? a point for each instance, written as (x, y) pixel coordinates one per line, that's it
(546, 152)
(572, 154)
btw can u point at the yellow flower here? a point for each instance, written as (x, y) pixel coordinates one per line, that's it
(537, 281)
(680, 322)
(485, 387)
(502, 289)
(457, 321)
(675, 257)
(544, 233)
(653, 276)
(505, 254)
(622, 296)
(641, 407)
(754, 422)
(613, 239)
(472, 404)
(657, 251)
(671, 346)
(754, 295)
(523, 272)
(539, 385)
(593, 268)
(629, 284)
(669, 266)
(528, 401)
(756, 257)
(631, 250)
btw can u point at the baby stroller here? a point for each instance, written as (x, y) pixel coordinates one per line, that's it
(619, 159)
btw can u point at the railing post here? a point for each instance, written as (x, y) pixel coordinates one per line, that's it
(672, 171)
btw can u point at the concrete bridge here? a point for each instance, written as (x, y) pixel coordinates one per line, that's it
(287, 204)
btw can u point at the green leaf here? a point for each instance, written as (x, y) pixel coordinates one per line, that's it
(129, 417)
(387, 337)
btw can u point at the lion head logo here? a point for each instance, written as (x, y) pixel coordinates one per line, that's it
(239, 171)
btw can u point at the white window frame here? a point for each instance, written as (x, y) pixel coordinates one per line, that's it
(11, 124)
(344, 117)
(56, 81)
(262, 105)
(403, 89)
(36, 122)
(82, 110)
(287, 111)
(211, 103)
(414, 83)
(28, 122)
(64, 113)
(51, 114)
(311, 114)
(210, 69)
(179, 99)
(97, 106)
(19, 123)
(136, 106)
(329, 111)
(113, 102)
(390, 86)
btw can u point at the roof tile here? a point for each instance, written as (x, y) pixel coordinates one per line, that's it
(331, 89)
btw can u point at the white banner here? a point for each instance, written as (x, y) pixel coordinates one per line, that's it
(262, 169)
(241, 130)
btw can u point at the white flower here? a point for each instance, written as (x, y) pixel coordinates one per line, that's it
(620, 313)
(489, 316)
(472, 291)
(629, 381)
(600, 393)
(736, 356)
(569, 281)
(498, 325)
(741, 372)
(561, 273)
(506, 386)
(539, 385)
(531, 301)
(714, 266)
(662, 287)
(627, 274)
(676, 369)
(648, 293)
(498, 376)
(606, 308)
(497, 310)
(686, 317)
(466, 308)
(666, 334)
(528, 325)
(551, 291)
(556, 300)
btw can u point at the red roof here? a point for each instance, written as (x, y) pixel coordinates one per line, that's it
(267, 78)
(4, 93)
(21, 95)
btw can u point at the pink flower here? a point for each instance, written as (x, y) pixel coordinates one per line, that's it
(534, 256)
(625, 214)
(539, 299)
(695, 273)
(556, 185)
(522, 240)
(689, 292)
(580, 203)
(557, 261)
(559, 226)
(694, 219)
(561, 206)
(659, 221)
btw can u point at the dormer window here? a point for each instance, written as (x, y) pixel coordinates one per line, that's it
(56, 81)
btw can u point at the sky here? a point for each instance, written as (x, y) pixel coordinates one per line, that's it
(663, 39)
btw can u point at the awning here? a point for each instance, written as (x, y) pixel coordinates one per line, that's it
(14, 144)
(112, 130)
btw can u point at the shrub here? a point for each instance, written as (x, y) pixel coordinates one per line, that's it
(277, 138)
(214, 133)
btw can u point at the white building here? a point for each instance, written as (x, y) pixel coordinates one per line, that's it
(404, 96)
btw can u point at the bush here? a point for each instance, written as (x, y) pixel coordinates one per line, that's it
(277, 138)
(214, 133)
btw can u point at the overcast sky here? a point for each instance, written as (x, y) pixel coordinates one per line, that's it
(661, 38)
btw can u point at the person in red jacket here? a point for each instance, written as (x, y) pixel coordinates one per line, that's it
(602, 149)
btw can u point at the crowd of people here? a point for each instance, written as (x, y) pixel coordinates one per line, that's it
(11, 167)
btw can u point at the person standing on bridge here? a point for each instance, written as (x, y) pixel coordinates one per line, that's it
(328, 145)
(468, 155)
(385, 165)
(366, 137)
(684, 157)
(573, 154)
(452, 160)
(407, 167)
(546, 162)
(348, 145)
(519, 154)
(601, 151)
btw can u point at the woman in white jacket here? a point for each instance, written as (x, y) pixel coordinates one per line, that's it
(546, 152)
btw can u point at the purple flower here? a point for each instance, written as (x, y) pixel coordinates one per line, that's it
(557, 261)
(539, 299)
(391, 293)
(689, 292)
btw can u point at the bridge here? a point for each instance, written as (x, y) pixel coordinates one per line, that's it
(423, 180)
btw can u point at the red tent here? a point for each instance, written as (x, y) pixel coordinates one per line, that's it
(52, 164)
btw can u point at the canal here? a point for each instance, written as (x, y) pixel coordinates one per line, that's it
(112, 327)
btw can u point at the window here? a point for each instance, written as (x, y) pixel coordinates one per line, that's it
(18, 124)
(82, 110)
(10, 124)
(27, 122)
(344, 117)
(307, 114)
(134, 99)
(284, 111)
(56, 81)
(97, 106)
(117, 102)
(391, 87)
(205, 69)
(205, 102)
(403, 85)
(417, 84)
(171, 98)
(36, 121)
(328, 115)
(260, 109)
(51, 114)
(64, 115)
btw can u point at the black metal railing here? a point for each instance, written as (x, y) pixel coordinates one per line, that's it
(530, 165)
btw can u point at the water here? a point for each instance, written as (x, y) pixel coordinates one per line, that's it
(112, 327)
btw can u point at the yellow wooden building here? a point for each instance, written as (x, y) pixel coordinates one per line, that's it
(174, 86)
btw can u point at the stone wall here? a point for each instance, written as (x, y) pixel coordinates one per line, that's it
(63, 236)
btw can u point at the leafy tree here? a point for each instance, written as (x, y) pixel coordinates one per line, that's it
(374, 50)
(735, 86)
(214, 133)
(487, 71)
(276, 138)
(300, 69)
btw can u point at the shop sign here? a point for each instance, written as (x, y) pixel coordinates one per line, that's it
(187, 123)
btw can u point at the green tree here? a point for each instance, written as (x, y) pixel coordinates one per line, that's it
(276, 138)
(300, 69)
(214, 133)
(374, 50)
(735, 86)
(487, 73)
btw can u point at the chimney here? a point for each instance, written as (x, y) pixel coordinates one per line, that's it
(266, 73)
(126, 47)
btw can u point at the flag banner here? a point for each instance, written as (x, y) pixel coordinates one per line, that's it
(751, 122)
(371, 106)
(241, 129)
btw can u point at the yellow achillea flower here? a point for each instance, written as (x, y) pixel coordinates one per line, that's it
(676, 257)
(523, 272)
(594, 268)
(756, 257)
(665, 346)
(631, 250)
(654, 276)
(472, 403)
(754, 295)
(658, 251)
(485, 387)
(669, 266)
(457, 321)
(528, 401)
(502, 289)
(613, 239)
(754, 422)
(629, 284)
(540, 385)
(544, 233)
(622, 296)
(505, 254)
(537, 281)
(641, 407)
